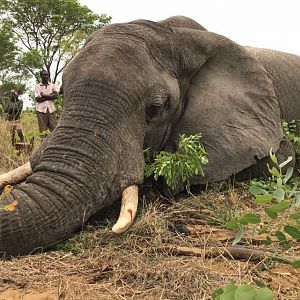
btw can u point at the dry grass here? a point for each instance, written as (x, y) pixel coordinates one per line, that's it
(11, 158)
(141, 264)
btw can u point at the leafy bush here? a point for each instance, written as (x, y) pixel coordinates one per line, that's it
(277, 195)
(180, 166)
(59, 102)
(291, 130)
(242, 292)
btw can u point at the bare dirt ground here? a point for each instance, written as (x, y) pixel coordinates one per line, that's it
(175, 250)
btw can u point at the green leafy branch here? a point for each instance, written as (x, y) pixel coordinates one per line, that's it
(180, 166)
(277, 195)
(291, 130)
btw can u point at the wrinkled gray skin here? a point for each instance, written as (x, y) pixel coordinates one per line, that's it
(138, 85)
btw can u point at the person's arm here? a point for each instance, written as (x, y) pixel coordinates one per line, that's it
(38, 96)
(51, 96)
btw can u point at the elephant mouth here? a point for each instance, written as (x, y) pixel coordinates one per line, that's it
(129, 200)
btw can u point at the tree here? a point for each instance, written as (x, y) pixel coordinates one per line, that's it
(49, 31)
(10, 78)
(8, 49)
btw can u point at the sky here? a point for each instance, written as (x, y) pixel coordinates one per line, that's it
(273, 24)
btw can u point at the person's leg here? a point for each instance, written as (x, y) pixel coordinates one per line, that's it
(21, 135)
(19, 130)
(12, 133)
(52, 121)
(42, 121)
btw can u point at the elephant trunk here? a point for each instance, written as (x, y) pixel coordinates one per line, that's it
(49, 208)
(81, 168)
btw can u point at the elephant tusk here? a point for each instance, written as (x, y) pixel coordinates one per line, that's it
(129, 204)
(16, 175)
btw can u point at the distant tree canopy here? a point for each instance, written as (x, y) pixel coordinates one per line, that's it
(9, 77)
(48, 33)
(8, 49)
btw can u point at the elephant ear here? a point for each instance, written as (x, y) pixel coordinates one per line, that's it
(231, 101)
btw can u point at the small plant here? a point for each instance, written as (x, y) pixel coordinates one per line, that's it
(242, 292)
(291, 130)
(180, 166)
(59, 102)
(277, 195)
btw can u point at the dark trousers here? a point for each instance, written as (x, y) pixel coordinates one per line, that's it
(46, 121)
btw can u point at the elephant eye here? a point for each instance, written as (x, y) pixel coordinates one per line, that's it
(153, 111)
(156, 109)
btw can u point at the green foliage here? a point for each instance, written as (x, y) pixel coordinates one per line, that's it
(51, 32)
(291, 130)
(12, 83)
(32, 59)
(242, 292)
(8, 48)
(180, 166)
(59, 102)
(275, 196)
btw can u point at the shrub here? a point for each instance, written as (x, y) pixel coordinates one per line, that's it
(180, 166)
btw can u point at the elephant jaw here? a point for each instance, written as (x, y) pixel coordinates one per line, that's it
(129, 204)
(17, 175)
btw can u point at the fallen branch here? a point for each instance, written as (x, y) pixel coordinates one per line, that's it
(214, 234)
(234, 252)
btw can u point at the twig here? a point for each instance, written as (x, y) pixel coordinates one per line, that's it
(234, 252)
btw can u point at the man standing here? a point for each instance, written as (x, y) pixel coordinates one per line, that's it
(13, 109)
(45, 94)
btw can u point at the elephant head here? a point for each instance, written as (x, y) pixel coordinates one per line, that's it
(133, 86)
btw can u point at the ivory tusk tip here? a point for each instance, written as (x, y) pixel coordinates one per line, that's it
(129, 203)
(121, 226)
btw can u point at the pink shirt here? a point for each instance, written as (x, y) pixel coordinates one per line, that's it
(46, 90)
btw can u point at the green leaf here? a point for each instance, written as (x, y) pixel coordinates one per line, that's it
(238, 237)
(292, 192)
(296, 264)
(251, 218)
(292, 231)
(270, 213)
(245, 292)
(263, 199)
(264, 294)
(288, 175)
(279, 194)
(264, 229)
(279, 182)
(256, 190)
(286, 162)
(297, 203)
(267, 241)
(274, 172)
(273, 157)
(228, 292)
(280, 207)
(280, 235)
(295, 216)
(232, 224)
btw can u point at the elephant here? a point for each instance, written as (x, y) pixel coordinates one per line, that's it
(139, 85)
